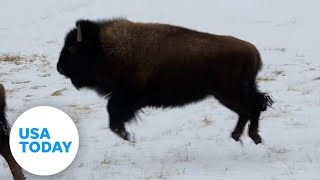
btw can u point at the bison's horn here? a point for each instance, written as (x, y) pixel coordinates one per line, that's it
(79, 34)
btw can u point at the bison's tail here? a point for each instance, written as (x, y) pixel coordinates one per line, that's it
(4, 126)
(264, 100)
(268, 101)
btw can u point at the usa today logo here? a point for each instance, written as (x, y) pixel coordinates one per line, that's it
(44, 140)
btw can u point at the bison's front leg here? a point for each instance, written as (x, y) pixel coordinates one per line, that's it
(120, 112)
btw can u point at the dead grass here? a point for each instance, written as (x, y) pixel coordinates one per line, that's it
(84, 108)
(37, 87)
(19, 59)
(72, 105)
(292, 89)
(276, 49)
(58, 92)
(20, 82)
(278, 72)
(278, 150)
(317, 78)
(51, 42)
(272, 76)
(206, 121)
(11, 58)
(162, 174)
(36, 56)
(106, 161)
(265, 79)
(306, 92)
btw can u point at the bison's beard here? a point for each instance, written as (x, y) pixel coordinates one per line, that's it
(81, 84)
(78, 84)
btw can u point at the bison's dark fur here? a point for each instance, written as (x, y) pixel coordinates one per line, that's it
(149, 64)
(4, 139)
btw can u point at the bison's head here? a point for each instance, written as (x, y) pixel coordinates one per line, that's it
(79, 58)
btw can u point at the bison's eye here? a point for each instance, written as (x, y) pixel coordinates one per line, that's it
(73, 49)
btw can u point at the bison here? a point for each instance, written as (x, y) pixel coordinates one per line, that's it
(4, 139)
(137, 65)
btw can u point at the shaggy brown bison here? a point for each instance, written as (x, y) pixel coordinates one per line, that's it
(4, 139)
(149, 64)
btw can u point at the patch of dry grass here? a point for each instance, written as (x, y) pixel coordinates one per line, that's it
(206, 121)
(11, 58)
(37, 87)
(106, 161)
(292, 89)
(51, 42)
(20, 59)
(58, 92)
(276, 49)
(20, 82)
(278, 72)
(317, 78)
(307, 92)
(36, 56)
(265, 79)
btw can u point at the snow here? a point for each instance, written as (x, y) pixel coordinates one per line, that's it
(183, 143)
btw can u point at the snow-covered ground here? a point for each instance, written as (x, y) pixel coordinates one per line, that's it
(188, 143)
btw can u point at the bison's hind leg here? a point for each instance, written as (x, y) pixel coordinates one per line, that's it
(247, 102)
(236, 99)
(254, 103)
(238, 130)
(120, 112)
(259, 102)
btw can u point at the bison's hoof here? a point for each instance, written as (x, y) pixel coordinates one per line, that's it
(236, 136)
(127, 136)
(256, 138)
(124, 135)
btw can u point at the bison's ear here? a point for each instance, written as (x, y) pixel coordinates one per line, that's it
(87, 31)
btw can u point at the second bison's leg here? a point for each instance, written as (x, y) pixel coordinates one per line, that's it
(6, 153)
(120, 112)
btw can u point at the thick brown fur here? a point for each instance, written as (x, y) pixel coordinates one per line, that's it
(150, 64)
(4, 139)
